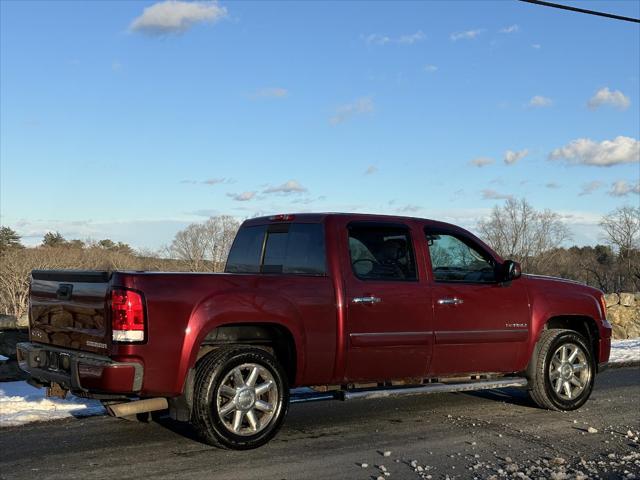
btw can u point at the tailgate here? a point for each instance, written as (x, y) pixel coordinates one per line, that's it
(68, 309)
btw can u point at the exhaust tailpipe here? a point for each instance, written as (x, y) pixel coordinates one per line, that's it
(139, 406)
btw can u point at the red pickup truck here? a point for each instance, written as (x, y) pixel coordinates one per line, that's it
(351, 305)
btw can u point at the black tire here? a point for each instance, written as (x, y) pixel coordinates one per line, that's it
(216, 368)
(543, 388)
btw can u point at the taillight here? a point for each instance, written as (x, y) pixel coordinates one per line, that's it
(127, 316)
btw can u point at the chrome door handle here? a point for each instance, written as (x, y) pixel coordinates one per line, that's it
(450, 301)
(366, 300)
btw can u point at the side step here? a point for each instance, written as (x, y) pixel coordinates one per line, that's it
(301, 395)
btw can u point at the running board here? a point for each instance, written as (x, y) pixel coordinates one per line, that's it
(301, 395)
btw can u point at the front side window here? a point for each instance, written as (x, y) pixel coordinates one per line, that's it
(454, 260)
(381, 253)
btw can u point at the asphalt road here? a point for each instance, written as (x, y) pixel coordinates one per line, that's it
(446, 434)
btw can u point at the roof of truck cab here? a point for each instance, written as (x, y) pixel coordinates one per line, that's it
(321, 217)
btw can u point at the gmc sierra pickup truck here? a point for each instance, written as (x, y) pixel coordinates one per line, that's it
(350, 305)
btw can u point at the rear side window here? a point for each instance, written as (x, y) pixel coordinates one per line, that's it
(246, 252)
(381, 252)
(296, 248)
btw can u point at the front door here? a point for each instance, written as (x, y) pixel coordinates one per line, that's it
(481, 324)
(389, 307)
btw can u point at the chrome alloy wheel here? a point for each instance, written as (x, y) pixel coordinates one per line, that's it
(569, 371)
(247, 399)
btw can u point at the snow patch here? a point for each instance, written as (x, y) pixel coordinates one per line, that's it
(21, 403)
(3, 358)
(623, 351)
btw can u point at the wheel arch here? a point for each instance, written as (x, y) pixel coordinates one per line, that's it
(582, 324)
(275, 337)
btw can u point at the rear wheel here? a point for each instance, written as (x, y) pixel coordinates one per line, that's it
(563, 371)
(241, 397)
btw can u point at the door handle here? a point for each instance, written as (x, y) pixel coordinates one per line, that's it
(370, 300)
(450, 301)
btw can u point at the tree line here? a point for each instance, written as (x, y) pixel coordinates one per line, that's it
(514, 230)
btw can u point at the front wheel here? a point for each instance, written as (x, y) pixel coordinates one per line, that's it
(241, 397)
(563, 371)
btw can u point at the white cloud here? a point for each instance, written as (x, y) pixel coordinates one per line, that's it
(584, 151)
(210, 181)
(371, 169)
(291, 186)
(511, 157)
(116, 66)
(215, 181)
(621, 188)
(552, 185)
(376, 39)
(430, 68)
(176, 16)
(539, 101)
(406, 39)
(604, 96)
(345, 112)
(468, 35)
(589, 188)
(489, 194)
(481, 162)
(271, 92)
(537, 46)
(411, 38)
(242, 197)
(510, 29)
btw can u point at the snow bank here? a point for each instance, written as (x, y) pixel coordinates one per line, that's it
(21, 403)
(3, 358)
(624, 351)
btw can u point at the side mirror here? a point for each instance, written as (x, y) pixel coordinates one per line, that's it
(511, 270)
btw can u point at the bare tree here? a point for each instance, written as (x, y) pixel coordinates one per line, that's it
(190, 246)
(622, 232)
(622, 229)
(517, 231)
(221, 230)
(205, 246)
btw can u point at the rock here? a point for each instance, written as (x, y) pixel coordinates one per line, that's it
(592, 430)
(633, 331)
(618, 332)
(364, 465)
(7, 322)
(622, 316)
(386, 453)
(23, 322)
(611, 299)
(627, 299)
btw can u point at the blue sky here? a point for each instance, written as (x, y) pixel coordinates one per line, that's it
(130, 120)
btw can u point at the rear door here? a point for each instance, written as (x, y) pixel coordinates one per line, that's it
(389, 307)
(481, 324)
(68, 309)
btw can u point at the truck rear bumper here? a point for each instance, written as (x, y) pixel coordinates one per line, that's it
(79, 371)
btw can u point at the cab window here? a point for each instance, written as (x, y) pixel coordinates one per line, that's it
(455, 259)
(380, 252)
